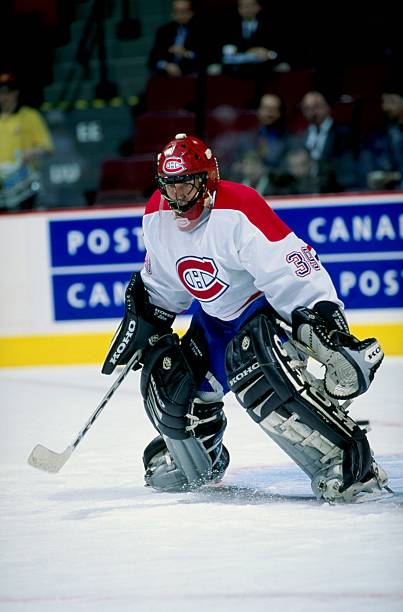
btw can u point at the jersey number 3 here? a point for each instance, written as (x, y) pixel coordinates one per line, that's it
(304, 261)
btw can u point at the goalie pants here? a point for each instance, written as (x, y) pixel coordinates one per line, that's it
(218, 335)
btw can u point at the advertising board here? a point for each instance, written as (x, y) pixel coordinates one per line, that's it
(65, 272)
(359, 242)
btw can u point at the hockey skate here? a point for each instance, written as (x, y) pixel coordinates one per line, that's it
(327, 484)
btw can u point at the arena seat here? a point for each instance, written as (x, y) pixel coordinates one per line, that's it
(226, 118)
(128, 179)
(170, 93)
(222, 89)
(154, 130)
(47, 10)
(365, 81)
(291, 86)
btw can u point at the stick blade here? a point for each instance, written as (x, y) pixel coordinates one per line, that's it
(45, 459)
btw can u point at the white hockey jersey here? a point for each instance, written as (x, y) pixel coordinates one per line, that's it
(240, 251)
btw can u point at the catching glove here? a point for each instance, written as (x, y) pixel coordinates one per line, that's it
(350, 363)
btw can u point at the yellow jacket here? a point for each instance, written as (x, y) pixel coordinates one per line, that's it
(22, 131)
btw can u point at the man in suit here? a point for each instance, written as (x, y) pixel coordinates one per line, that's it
(381, 154)
(248, 41)
(329, 144)
(177, 44)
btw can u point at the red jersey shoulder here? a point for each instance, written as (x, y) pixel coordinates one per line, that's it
(154, 203)
(244, 199)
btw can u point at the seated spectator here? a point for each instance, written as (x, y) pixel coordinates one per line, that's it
(329, 145)
(253, 172)
(381, 156)
(270, 141)
(24, 140)
(177, 45)
(299, 175)
(247, 43)
(296, 176)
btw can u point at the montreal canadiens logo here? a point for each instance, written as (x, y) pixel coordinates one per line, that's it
(199, 277)
(173, 165)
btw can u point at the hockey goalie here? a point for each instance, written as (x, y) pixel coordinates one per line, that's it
(263, 307)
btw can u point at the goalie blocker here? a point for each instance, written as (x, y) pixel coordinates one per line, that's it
(268, 375)
(140, 328)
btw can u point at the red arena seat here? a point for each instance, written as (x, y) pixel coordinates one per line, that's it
(365, 81)
(291, 86)
(127, 179)
(154, 130)
(170, 93)
(222, 89)
(226, 118)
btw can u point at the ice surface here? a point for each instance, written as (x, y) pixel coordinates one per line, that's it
(92, 537)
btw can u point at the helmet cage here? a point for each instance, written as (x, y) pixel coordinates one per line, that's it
(163, 181)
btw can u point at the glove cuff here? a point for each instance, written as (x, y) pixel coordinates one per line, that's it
(333, 315)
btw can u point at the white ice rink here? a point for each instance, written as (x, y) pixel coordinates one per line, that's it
(94, 538)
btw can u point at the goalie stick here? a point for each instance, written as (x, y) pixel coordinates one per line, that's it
(45, 459)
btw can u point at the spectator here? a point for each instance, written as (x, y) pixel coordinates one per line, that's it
(177, 45)
(24, 140)
(271, 140)
(246, 45)
(253, 173)
(298, 177)
(381, 157)
(329, 145)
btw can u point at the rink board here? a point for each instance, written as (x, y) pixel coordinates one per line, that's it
(92, 348)
(65, 272)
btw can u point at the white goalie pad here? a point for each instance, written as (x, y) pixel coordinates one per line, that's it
(321, 460)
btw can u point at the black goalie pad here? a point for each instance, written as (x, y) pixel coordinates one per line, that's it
(261, 374)
(168, 387)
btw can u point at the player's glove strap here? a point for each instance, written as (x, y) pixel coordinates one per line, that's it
(350, 363)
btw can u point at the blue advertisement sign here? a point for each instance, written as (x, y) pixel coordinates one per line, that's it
(109, 240)
(92, 260)
(89, 296)
(354, 228)
(368, 284)
(359, 243)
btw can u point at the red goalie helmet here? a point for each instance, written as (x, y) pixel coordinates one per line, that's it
(188, 162)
